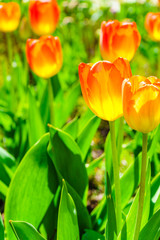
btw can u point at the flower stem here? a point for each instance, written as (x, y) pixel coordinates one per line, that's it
(9, 48)
(120, 137)
(51, 99)
(142, 188)
(116, 176)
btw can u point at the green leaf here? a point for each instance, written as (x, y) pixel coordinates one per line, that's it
(36, 126)
(152, 229)
(25, 231)
(67, 160)
(111, 228)
(86, 136)
(3, 190)
(1, 228)
(72, 128)
(6, 158)
(67, 217)
(94, 164)
(155, 194)
(35, 178)
(92, 235)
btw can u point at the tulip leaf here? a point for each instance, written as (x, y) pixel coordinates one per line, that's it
(155, 194)
(3, 190)
(111, 227)
(84, 140)
(67, 159)
(152, 229)
(1, 228)
(94, 164)
(6, 158)
(25, 231)
(36, 126)
(44, 106)
(72, 128)
(36, 177)
(67, 217)
(92, 235)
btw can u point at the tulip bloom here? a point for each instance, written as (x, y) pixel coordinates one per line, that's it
(44, 16)
(119, 40)
(152, 25)
(9, 16)
(141, 100)
(44, 55)
(101, 86)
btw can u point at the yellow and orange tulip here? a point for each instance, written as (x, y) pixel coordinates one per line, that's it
(44, 16)
(119, 39)
(141, 101)
(101, 85)
(152, 25)
(9, 16)
(44, 55)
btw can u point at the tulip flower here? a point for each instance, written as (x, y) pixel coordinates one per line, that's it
(44, 16)
(152, 25)
(101, 85)
(44, 55)
(119, 40)
(141, 98)
(9, 16)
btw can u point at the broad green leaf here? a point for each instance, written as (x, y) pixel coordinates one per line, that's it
(35, 124)
(72, 128)
(111, 227)
(83, 215)
(3, 190)
(1, 228)
(35, 178)
(6, 158)
(155, 194)
(25, 231)
(67, 217)
(129, 225)
(86, 136)
(66, 157)
(84, 119)
(152, 229)
(92, 235)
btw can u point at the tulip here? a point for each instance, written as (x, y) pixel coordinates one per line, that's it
(141, 98)
(44, 16)
(44, 55)
(152, 25)
(9, 16)
(119, 40)
(101, 85)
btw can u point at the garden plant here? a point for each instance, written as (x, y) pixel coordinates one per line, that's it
(79, 120)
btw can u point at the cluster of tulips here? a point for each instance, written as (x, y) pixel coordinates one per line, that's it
(108, 87)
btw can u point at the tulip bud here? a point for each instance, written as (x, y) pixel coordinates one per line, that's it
(119, 40)
(141, 98)
(44, 16)
(9, 16)
(44, 55)
(101, 86)
(152, 25)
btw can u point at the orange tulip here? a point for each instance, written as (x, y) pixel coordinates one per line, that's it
(44, 55)
(119, 40)
(9, 16)
(152, 25)
(44, 16)
(141, 101)
(101, 86)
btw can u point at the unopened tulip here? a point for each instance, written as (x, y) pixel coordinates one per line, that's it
(152, 25)
(44, 16)
(141, 101)
(44, 55)
(9, 16)
(101, 86)
(119, 39)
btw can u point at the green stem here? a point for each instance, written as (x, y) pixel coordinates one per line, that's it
(9, 47)
(120, 137)
(142, 187)
(51, 99)
(116, 176)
